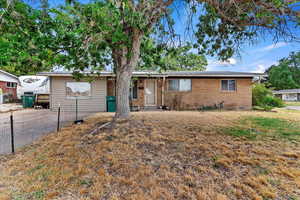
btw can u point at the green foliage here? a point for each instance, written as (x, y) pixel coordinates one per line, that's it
(84, 36)
(225, 25)
(164, 58)
(286, 75)
(263, 97)
(25, 41)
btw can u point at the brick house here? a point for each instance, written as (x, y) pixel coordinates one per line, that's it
(176, 90)
(8, 85)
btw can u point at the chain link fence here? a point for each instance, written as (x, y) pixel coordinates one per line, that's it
(26, 126)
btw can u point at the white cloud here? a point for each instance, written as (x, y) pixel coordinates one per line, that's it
(260, 68)
(230, 61)
(273, 46)
(213, 64)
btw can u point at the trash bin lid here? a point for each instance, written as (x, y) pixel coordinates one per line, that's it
(110, 98)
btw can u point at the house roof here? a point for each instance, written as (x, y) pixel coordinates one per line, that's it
(166, 74)
(12, 78)
(213, 74)
(289, 91)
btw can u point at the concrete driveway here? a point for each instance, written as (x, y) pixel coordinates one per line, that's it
(30, 125)
(293, 107)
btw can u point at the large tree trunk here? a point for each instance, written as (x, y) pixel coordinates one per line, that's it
(125, 60)
(123, 78)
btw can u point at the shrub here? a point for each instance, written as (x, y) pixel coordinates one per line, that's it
(263, 97)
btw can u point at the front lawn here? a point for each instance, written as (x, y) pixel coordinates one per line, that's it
(163, 155)
(253, 127)
(292, 103)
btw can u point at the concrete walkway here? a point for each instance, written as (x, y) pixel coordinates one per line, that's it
(30, 125)
(10, 107)
(293, 108)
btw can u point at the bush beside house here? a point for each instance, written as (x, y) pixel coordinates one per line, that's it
(263, 98)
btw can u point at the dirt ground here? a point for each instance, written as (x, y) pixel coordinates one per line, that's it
(161, 155)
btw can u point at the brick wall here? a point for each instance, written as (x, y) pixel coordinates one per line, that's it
(207, 92)
(10, 93)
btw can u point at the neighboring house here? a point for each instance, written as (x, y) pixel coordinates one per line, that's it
(288, 95)
(8, 84)
(176, 90)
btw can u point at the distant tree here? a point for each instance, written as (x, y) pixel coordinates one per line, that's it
(285, 75)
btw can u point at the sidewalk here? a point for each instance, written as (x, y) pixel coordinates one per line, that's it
(7, 107)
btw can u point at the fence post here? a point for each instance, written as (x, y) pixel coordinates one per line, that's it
(58, 118)
(12, 133)
(76, 109)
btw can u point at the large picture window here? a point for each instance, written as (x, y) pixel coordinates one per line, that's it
(180, 85)
(78, 89)
(228, 85)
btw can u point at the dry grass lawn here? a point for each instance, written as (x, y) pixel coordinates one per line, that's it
(163, 155)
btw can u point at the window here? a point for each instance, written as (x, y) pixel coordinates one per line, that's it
(78, 89)
(134, 90)
(180, 85)
(228, 85)
(11, 84)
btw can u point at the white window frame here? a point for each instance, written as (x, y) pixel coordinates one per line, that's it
(228, 80)
(178, 90)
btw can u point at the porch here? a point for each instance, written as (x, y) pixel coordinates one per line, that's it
(145, 93)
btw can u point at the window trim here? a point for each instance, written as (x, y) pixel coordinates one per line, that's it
(81, 97)
(11, 83)
(235, 89)
(137, 90)
(168, 88)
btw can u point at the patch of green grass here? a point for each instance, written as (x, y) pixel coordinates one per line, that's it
(292, 103)
(37, 195)
(261, 170)
(30, 171)
(273, 123)
(240, 132)
(252, 127)
(86, 182)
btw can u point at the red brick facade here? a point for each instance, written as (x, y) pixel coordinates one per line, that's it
(9, 93)
(204, 92)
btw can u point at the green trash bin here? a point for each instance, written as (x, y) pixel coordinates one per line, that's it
(111, 103)
(28, 100)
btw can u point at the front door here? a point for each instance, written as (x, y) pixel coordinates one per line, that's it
(150, 97)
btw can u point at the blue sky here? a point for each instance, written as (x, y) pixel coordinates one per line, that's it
(253, 58)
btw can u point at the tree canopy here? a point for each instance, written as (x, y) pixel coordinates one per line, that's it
(159, 57)
(286, 74)
(25, 42)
